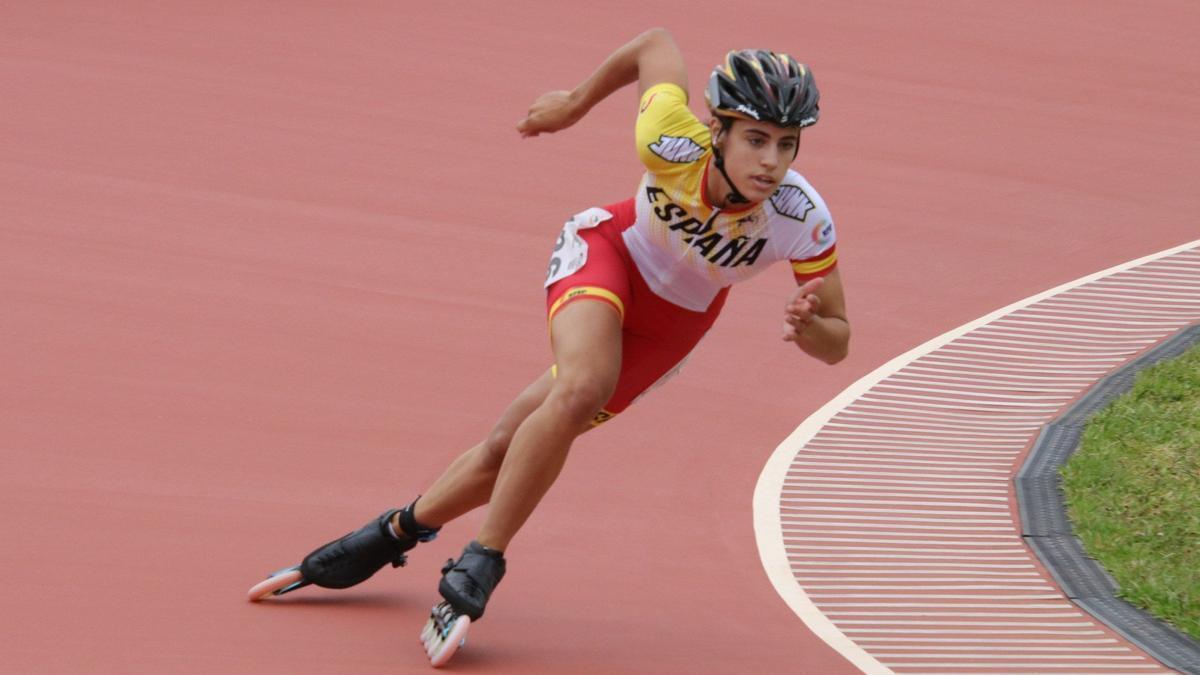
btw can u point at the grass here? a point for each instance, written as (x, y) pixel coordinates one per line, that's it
(1133, 491)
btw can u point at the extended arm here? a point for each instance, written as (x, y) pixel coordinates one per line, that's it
(815, 319)
(648, 59)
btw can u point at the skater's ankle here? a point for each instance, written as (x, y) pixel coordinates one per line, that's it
(404, 525)
(394, 526)
(492, 544)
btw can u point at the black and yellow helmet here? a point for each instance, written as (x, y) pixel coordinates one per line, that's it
(756, 84)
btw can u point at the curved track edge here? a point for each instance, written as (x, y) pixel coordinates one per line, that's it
(768, 528)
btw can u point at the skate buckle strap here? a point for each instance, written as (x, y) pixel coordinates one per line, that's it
(477, 560)
(410, 527)
(468, 582)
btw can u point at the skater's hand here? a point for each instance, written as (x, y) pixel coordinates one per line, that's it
(801, 310)
(552, 111)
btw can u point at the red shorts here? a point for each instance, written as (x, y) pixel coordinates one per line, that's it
(657, 335)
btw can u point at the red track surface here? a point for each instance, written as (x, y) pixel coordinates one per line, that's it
(264, 271)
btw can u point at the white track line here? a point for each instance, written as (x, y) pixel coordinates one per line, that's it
(768, 520)
(995, 640)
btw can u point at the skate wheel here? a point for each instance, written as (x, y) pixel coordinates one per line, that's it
(444, 633)
(277, 584)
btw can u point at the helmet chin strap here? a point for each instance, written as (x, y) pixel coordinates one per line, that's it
(734, 196)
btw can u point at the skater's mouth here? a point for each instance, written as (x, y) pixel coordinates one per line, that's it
(763, 182)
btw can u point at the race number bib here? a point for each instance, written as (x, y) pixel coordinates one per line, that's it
(570, 251)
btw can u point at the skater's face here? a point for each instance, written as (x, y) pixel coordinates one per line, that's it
(757, 155)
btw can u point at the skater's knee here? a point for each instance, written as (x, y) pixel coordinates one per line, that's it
(495, 447)
(577, 401)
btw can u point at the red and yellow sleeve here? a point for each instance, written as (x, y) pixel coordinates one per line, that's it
(817, 266)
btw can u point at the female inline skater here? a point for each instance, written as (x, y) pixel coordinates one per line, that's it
(631, 289)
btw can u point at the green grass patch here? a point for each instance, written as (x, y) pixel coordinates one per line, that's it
(1133, 491)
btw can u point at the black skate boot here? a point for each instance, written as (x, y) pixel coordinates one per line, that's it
(357, 556)
(468, 583)
(350, 560)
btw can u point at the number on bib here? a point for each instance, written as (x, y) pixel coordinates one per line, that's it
(570, 250)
